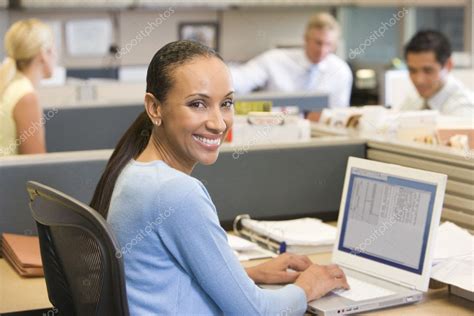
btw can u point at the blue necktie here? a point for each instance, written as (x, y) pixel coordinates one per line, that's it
(309, 77)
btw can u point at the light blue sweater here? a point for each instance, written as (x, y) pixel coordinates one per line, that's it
(177, 260)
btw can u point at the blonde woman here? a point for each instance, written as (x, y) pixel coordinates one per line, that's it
(30, 57)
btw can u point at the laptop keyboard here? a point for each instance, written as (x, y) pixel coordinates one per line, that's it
(361, 290)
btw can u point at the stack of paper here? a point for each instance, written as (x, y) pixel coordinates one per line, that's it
(247, 250)
(23, 253)
(457, 272)
(456, 131)
(452, 241)
(454, 259)
(304, 235)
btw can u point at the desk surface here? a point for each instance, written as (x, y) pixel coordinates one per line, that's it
(435, 302)
(19, 294)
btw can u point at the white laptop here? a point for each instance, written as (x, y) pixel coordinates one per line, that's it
(387, 226)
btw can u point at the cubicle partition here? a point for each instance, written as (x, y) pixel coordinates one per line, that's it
(284, 181)
(74, 173)
(312, 102)
(458, 165)
(280, 182)
(101, 126)
(458, 206)
(88, 127)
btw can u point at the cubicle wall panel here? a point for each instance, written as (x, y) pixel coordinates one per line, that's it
(77, 179)
(278, 183)
(458, 205)
(460, 189)
(85, 127)
(88, 128)
(282, 182)
(459, 218)
(305, 102)
(454, 172)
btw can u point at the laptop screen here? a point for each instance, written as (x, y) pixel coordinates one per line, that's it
(387, 219)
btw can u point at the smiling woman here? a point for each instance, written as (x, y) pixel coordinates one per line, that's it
(192, 120)
(177, 259)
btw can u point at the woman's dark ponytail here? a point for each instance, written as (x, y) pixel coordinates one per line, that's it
(159, 81)
(132, 143)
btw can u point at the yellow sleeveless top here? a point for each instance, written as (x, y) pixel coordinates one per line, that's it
(17, 89)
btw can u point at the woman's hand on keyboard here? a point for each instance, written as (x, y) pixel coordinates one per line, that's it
(318, 280)
(280, 270)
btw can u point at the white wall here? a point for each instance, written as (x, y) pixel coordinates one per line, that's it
(4, 22)
(250, 31)
(244, 32)
(131, 23)
(63, 17)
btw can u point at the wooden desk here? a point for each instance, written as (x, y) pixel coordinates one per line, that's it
(435, 302)
(20, 294)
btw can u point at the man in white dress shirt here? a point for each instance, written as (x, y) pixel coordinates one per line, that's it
(428, 56)
(312, 69)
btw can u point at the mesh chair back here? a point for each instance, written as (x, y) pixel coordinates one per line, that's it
(84, 275)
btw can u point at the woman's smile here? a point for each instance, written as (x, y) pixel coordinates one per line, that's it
(209, 142)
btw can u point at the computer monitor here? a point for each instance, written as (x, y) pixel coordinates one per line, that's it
(387, 218)
(387, 221)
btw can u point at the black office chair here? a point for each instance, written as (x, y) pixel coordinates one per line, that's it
(84, 276)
